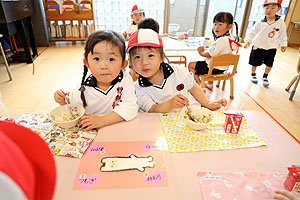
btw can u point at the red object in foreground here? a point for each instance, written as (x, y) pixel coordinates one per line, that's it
(11, 120)
(180, 87)
(292, 181)
(27, 160)
(233, 122)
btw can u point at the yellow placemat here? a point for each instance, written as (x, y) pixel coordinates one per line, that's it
(181, 138)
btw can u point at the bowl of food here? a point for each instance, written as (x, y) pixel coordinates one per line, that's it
(197, 117)
(62, 116)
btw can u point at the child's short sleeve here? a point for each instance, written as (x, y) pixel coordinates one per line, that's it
(75, 97)
(186, 76)
(145, 102)
(127, 108)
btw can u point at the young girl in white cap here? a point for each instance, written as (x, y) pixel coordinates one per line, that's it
(137, 14)
(161, 87)
(108, 93)
(266, 35)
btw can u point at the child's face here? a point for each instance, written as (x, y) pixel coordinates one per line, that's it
(105, 64)
(220, 28)
(270, 10)
(146, 62)
(137, 17)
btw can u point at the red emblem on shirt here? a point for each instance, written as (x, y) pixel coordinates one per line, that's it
(118, 97)
(180, 87)
(272, 33)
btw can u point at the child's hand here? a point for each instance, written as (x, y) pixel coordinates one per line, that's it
(90, 121)
(246, 45)
(201, 49)
(125, 34)
(286, 195)
(59, 97)
(216, 105)
(179, 101)
(283, 49)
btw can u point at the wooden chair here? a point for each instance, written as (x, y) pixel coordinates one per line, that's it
(224, 82)
(295, 78)
(133, 74)
(222, 60)
(182, 59)
(5, 59)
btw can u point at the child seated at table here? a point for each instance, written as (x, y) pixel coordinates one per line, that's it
(137, 14)
(224, 44)
(108, 93)
(161, 87)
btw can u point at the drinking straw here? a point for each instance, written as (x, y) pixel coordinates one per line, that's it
(233, 124)
(1, 104)
(243, 103)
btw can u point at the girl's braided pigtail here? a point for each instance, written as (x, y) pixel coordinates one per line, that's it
(82, 88)
(236, 32)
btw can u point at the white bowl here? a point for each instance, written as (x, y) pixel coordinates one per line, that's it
(199, 112)
(62, 117)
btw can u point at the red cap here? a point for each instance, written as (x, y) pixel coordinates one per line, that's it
(137, 9)
(266, 2)
(144, 38)
(27, 160)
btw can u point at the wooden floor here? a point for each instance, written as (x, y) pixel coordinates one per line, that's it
(61, 67)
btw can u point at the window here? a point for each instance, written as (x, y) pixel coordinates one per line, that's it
(115, 14)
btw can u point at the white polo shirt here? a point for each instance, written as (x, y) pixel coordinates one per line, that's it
(265, 35)
(175, 79)
(131, 29)
(119, 97)
(221, 46)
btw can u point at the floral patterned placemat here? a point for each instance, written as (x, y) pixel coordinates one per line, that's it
(71, 142)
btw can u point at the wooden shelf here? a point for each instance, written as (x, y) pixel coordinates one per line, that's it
(67, 39)
(76, 21)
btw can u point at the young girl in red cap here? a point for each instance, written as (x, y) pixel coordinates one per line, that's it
(108, 93)
(137, 14)
(160, 86)
(265, 36)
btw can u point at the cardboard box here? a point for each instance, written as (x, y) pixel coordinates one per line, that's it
(292, 181)
(233, 122)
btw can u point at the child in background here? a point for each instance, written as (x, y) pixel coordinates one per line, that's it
(149, 23)
(161, 87)
(265, 36)
(224, 43)
(137, 14)
(108, 93)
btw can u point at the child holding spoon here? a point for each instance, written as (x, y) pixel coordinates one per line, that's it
(108, 93)
(160, 86)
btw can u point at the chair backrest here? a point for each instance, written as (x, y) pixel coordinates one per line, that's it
(224, 60)
(298, 67)
(237, 50)
(181, 59)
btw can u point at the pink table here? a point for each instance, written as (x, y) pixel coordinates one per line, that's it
(281, 151)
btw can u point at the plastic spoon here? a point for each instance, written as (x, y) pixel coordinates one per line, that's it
(68, 105)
